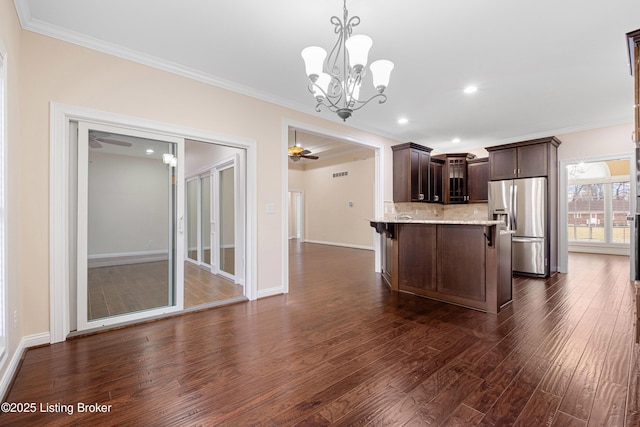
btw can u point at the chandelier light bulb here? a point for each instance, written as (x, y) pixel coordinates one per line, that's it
(358, 47)
(381, 72)
(313, 61)
(321, 86)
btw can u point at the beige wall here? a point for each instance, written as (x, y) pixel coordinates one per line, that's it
(328, 218)
(596, 143)
(53, 70)
(18, 257)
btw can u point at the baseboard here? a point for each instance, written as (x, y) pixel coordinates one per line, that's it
(263, 293)
(14, 363)
(344, 245)
(599, 249)
(124, 258)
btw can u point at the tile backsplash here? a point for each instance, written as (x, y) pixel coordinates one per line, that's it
(466, 212)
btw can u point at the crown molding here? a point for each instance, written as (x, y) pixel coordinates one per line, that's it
(31, 24)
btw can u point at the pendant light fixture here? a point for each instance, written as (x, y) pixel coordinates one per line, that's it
(335, 79)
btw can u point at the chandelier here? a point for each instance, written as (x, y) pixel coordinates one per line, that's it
(335, 79)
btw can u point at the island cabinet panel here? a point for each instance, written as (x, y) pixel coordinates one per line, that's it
(417, 257)
(464, 277)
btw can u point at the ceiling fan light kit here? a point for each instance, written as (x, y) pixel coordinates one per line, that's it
(335, 79)
(296, 152)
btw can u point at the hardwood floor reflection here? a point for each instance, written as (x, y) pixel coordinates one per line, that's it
(203, 287)
(341, 349)
(130, 288)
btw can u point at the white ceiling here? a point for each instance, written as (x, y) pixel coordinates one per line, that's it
(542, 67)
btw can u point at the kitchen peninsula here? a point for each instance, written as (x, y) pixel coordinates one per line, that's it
(463, 262)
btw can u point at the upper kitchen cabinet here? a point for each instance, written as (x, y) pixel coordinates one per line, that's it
(435, 180)
(411, 172)
(478, 180)
(454, 177)
(526, 159)
(633, 39)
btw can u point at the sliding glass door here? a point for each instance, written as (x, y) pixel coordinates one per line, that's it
(130, 225)
(215, 214)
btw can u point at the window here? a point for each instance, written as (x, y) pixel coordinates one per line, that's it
(3, 208)
(599, 196)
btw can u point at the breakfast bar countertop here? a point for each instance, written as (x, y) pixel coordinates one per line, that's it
(404, 220)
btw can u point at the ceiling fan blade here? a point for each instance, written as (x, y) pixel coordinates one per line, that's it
(114, 142)
(304, 152)
(93, 143)
(310, 157)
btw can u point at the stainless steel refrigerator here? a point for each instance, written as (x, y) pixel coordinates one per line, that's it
(522, 205)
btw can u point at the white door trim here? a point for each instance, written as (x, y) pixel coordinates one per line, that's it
(59, 198)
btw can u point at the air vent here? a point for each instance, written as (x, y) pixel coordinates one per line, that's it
(339, 174)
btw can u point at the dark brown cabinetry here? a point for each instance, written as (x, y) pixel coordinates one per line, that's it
(467, 247)
(527, 159)
(417, 265)
(435, 180)
(454, 177)
(634, 59)
(478, 180)
(465, 264)
(411, 172)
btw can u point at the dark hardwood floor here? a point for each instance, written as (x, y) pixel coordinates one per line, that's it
(341, 349)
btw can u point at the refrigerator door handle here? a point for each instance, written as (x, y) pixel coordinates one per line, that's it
(514, 206)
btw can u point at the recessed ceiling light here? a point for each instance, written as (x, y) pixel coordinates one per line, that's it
(455, 140)
(403, 121)
(149, 151)
(470, 89)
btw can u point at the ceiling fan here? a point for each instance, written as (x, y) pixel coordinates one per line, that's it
(95, 142)
(296, 152)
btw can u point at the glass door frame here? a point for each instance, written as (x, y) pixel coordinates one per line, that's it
(197, 178)
(176, 257)
(217, 222)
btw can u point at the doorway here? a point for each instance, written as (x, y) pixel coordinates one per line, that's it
(596, 200)
(296, 215)
(329, 195)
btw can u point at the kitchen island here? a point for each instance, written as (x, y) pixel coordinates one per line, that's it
(467, 263)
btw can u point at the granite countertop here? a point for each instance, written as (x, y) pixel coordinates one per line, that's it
(436, 221)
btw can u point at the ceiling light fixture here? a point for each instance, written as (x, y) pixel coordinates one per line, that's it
(335, 79)
(455, 140)
(169, 159)
(470, 89)
(403, 121)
